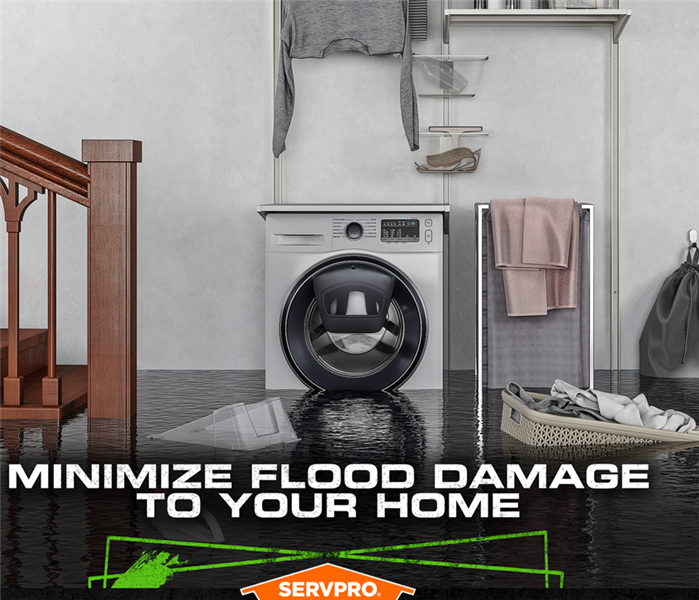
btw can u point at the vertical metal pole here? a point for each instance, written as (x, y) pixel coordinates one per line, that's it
(615, 329)
(446, 199)
(277, 47)
(446, 114)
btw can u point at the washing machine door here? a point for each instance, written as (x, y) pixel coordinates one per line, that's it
(353, 323)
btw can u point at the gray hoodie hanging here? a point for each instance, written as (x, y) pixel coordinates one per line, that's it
(315, 28)
(670, 337)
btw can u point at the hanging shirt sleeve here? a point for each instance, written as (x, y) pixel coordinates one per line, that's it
(408, 97)
(284, 100)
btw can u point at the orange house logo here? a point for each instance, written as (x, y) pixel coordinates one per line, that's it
(327, 581)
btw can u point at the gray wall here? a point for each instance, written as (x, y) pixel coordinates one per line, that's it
(660, 149)
(194, 82)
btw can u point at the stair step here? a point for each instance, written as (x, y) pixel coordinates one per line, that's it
(74, 384)
(32, 351)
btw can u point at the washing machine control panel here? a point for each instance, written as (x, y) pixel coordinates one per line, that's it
(400, 230)
(387, 232)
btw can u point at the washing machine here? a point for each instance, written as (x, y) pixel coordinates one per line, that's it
(354, 296)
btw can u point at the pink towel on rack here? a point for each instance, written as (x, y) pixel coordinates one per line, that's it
(536, 247)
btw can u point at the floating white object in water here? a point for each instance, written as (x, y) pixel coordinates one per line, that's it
(238, 427)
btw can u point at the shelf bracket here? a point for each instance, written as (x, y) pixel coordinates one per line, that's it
(619, 26)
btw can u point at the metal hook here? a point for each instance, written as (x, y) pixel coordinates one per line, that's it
(693, 237)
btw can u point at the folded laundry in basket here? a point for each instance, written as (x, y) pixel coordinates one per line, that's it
(536, 246)
(568, 401)
(555, 405)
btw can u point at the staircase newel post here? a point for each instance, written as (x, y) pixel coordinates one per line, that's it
(112, 277)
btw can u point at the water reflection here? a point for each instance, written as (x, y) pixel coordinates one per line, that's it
(368, 427)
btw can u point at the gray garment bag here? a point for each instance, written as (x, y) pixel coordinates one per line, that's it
(670, 338)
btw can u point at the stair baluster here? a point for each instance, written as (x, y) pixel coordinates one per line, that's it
(13, 385)
(51, 384)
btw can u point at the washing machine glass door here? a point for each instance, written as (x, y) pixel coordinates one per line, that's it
(353, 323)
(355, 355)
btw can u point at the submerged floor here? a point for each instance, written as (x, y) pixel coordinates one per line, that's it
(597, 538)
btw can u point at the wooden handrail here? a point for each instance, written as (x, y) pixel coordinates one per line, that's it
(43, 165)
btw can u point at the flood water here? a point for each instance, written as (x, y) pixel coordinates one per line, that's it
(614, 538)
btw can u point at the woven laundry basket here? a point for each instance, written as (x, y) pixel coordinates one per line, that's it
(540, 429)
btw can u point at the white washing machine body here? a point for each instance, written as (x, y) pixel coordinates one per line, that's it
(354, 296)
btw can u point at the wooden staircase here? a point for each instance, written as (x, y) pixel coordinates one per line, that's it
(33, 368)
(32, 385)
(32, 351)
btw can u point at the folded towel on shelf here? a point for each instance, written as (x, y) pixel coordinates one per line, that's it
(536, 247)
(569, 401)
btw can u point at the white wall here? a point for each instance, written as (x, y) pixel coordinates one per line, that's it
(194, 82)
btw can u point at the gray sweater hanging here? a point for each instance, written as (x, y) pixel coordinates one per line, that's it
(316, 28)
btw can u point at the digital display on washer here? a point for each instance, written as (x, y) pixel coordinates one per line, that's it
(400, 230)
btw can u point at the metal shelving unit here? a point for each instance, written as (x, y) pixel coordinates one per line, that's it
(615, 19)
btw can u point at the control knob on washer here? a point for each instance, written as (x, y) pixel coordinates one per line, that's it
(354, 231)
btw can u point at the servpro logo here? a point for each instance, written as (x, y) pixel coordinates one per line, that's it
(327, 581)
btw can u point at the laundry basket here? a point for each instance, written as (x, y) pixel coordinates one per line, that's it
(541, 429)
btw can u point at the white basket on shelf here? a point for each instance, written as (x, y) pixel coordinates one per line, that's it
(450, 149)
(444, 76)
